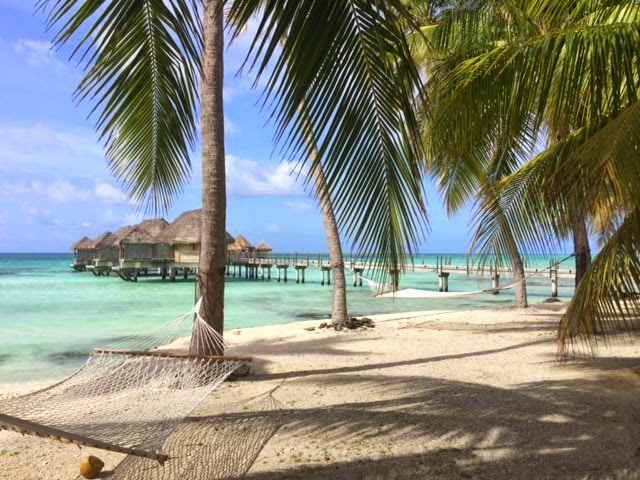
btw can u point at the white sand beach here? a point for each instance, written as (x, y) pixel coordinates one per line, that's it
(435, 395)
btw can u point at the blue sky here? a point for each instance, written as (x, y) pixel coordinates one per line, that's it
(55, 186)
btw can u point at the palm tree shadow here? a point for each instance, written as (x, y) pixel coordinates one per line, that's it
(434, 428)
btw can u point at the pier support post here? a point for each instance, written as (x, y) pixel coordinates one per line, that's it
(172, 274)
(554, 283)
(324, 269)
(495, 283)
(357, 276)
(300, 273)
(443, 282)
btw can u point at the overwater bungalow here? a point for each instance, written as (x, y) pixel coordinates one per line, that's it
(139, 250)
(108, 251)
(140, 243)
(263, 250)
(183, 237)
(104, 256)
(83, 252)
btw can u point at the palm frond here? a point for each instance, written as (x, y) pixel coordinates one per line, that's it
(142, 69)
(607, 301)
(607, 158)
(349, 63)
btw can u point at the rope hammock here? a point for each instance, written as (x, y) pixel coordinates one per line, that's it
(128, 397)
(380, 290)
(212, 446)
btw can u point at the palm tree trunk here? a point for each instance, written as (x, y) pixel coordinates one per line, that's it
(581, 246)
(336, 258)
(520, 288)
(339, 304)
(213, 242)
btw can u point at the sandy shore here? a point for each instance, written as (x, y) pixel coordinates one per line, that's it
(434, 395)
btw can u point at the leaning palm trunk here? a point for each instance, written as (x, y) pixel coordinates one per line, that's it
(213, 243)
(339, 304)
(336, 258)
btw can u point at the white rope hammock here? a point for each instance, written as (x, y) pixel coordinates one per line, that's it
(387, 291)
(381, 290)
(129, 396)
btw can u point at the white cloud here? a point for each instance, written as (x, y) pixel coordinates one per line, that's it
(273, 228)
(39, 54)
(62, 191)
(249, 178)
(300, 206)
(109, 194)
(38, 148)
(59, 191)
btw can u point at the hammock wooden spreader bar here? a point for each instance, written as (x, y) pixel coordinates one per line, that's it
(25, 427)
(160, 353)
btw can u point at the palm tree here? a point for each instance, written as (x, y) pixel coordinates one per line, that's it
(143, 61)
(455, 35)
(569, 70)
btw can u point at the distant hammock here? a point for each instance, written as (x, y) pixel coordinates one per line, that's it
(380, 290)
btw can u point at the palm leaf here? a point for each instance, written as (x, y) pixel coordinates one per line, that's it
(357, 83)
(607, 300)
(142, 62)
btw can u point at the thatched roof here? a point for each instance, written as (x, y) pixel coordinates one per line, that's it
(154, 226)
(185, 229)
(264, 247)
(84, 243)
(138, 234)
(113, 239)
(241, 244)
(244, 243)
(103, 240)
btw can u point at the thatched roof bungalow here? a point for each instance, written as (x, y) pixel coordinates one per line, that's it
(140, 242)
(104, 247)
(263, 250)
(109, 248)
(184, 234)
(83, 250)
(243, 244)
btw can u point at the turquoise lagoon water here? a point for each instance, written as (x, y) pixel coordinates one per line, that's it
(51, 316)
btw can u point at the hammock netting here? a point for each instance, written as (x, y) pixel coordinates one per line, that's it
(380, 290)
(210, 446)
(129, 396)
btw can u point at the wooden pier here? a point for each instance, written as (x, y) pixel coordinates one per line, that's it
(253, 266)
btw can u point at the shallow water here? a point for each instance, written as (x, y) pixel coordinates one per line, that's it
(51, 316)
